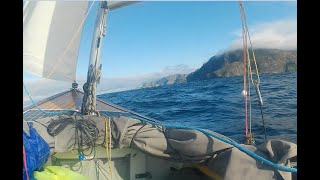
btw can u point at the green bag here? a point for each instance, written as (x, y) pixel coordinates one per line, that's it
(58, 173)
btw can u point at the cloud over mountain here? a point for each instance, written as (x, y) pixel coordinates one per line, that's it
(280, 34)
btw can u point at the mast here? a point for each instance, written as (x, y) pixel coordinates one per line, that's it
(94, 69)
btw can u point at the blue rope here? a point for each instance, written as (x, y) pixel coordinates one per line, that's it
(41, 110)
(236, 145)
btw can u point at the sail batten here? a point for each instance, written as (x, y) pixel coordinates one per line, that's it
(51, 38)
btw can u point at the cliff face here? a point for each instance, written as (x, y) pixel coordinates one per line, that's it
(231, 64)
(168, 80)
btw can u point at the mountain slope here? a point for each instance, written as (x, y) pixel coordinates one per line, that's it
(231, 63)
(168, 80)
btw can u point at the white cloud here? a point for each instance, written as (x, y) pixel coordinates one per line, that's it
(280, 34)
(178, 69)
(134, 81)
(40, 89)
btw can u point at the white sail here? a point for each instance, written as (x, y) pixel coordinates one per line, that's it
(51, 37)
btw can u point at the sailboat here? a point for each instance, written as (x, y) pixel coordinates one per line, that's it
(96, 139)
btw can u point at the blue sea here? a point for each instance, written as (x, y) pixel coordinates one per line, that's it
(217, 105)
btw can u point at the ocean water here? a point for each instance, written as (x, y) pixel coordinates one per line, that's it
(218, 105)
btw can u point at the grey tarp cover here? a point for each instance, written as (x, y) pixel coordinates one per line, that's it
(181, 145)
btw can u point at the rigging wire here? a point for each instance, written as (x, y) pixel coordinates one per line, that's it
(250, 137)
(261, 112)
(244, 42)
(256, 82)
(249, 97)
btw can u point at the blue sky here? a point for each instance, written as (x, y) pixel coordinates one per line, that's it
(148, 40)
(148, 36)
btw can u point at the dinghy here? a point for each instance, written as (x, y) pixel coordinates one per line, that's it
(79, 136)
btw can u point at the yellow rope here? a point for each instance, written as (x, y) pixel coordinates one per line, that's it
(249, 66)
(254, 56)
(110, 167)
(254, 82)
(255, 62)
(108, 145)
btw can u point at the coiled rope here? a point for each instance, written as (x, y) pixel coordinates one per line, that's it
(86, 133)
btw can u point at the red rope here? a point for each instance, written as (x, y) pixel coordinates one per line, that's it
(25, 162)
(244, 66)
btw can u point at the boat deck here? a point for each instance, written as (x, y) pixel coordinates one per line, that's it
(69, 102)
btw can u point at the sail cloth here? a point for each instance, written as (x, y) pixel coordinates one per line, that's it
(187, 146)
(51, 38)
